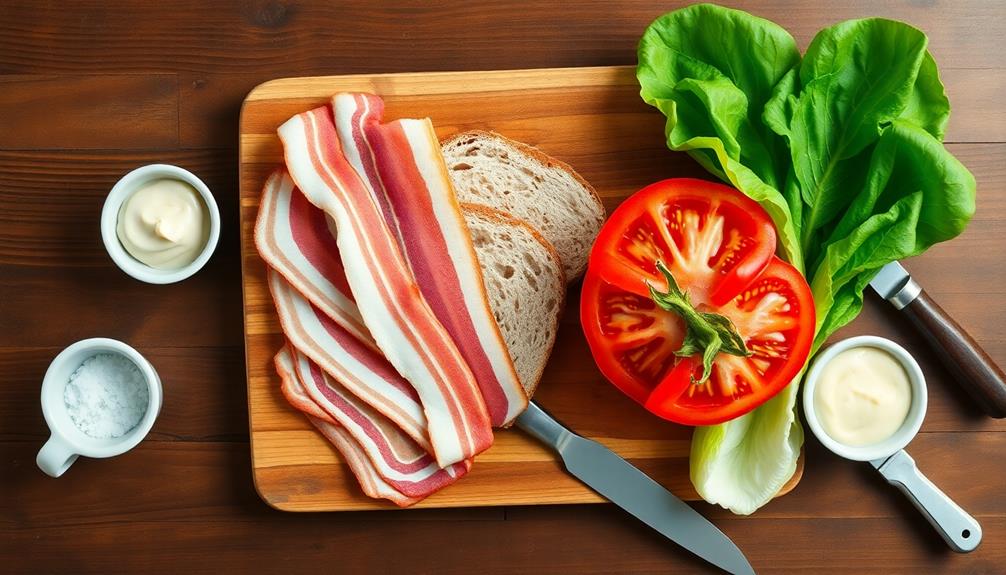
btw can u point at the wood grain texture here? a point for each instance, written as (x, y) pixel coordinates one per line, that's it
(533, 540)
(53, 198)
(210, 102)
(213, 374)
(295, 468)
(184, 500)
(286, 37)
(75, 112)
(202, 505)
(207, 480)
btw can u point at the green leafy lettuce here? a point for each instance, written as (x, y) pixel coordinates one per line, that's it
(711, 71)
(842, 147)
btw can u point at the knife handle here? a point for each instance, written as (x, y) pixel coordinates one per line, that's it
(973, 368)
(960, 530)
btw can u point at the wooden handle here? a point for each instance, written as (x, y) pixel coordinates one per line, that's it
(973, 368)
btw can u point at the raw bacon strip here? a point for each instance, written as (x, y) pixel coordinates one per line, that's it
(366, 473)
(294, 238)
(283, 242)
(401, 164)
(402, 462)
(291, 235)
(370, 481)
(390, 303)
(293, 390)
(363, 371)
(399, 460)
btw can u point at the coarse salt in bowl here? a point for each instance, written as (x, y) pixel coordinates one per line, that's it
(122, 190)
(89, 435)
(106, 396)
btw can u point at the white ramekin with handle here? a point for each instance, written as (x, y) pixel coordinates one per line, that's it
(959, 529)
(66, 441)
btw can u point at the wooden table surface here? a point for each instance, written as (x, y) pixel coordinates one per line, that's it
(91, 89)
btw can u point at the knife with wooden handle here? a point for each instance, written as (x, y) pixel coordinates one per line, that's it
(975, 370)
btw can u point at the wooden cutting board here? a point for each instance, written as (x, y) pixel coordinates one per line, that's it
(591, 118)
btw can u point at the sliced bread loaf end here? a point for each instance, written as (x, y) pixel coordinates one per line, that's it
(489, 169)
(525, 283)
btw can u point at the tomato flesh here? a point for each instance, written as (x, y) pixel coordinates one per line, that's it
(718, 245)
(775, 316)
(635, 334)
(710, 241)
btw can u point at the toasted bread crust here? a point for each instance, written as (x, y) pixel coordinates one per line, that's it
(533, 152)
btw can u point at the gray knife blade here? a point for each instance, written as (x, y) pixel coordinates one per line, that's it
(632, 490)
(895, 284)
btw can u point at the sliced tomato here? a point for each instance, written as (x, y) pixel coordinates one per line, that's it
(714, 239)
(632, 340)
(719, 246)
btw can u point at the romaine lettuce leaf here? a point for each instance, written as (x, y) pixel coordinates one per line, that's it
(711, 70)
(856, 77)
(917, 194)
(743, 463)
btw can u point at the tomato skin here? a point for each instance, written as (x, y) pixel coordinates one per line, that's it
(719, 245)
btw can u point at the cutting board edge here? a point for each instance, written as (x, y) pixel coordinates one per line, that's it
(255, 94)
(380, 505)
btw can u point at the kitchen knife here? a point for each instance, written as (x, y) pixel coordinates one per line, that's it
(632, 490)
(975, 370)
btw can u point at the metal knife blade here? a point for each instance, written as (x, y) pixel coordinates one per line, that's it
(632, 490)
(894, 283)
(890, 279)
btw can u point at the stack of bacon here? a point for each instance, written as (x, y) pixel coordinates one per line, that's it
(393, 352)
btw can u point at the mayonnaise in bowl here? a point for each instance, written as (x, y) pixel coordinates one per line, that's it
(160, 224)
(865, 398)
(862, 396)
(164, 224)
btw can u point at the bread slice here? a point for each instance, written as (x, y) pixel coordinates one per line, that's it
(489, 169)
(525, 284)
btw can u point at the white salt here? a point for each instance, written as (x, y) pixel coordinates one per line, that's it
(106, 396)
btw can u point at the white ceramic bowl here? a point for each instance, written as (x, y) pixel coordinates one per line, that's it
(916, 412)
(67, 442)
(110, 217)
